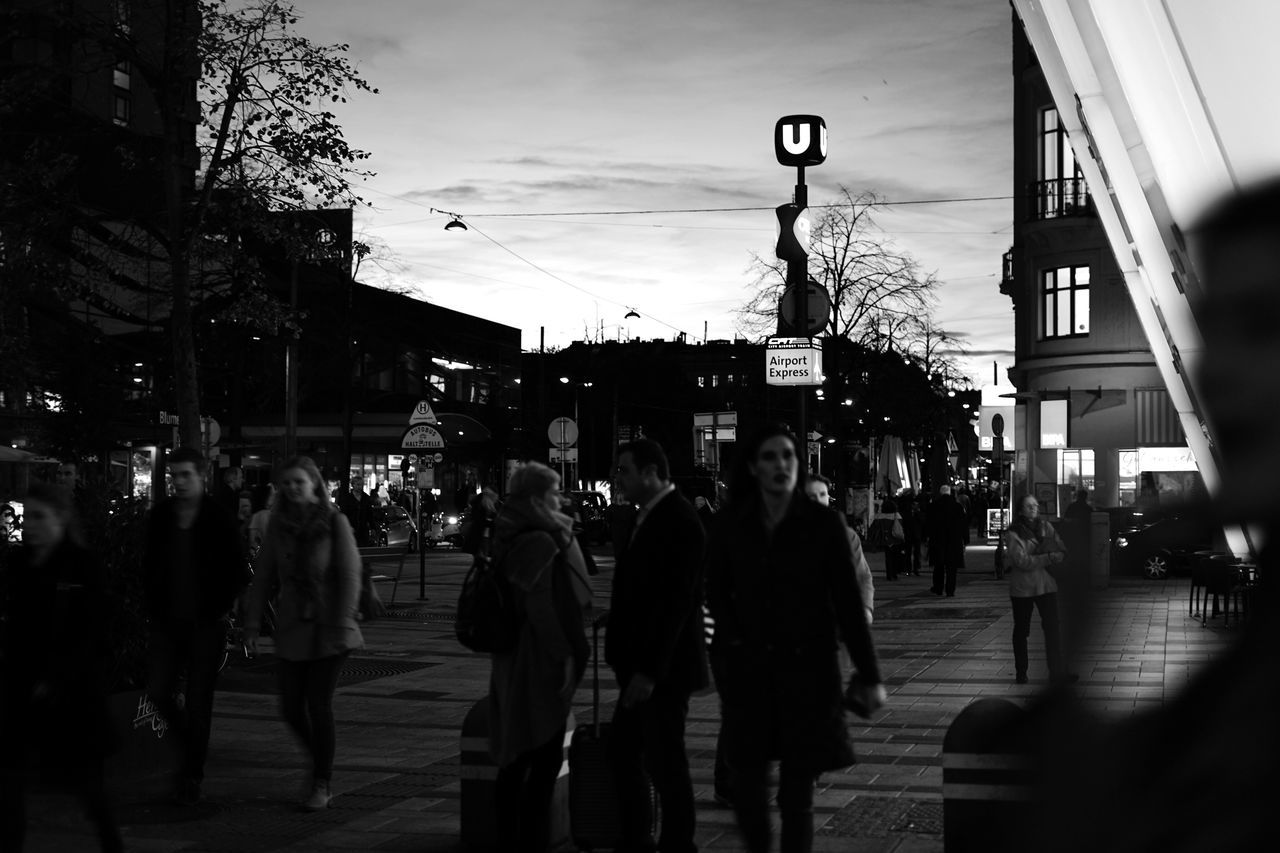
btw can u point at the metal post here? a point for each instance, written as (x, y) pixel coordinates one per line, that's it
(798, 280)
(291, 373)
(422, 539)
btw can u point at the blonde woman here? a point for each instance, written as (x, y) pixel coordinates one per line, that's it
(309, 554)
(532, 686)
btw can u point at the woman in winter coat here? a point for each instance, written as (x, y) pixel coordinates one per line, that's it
(55, 655)
(782, 595)
(531, 687)
(309, 554)
(1031, 546)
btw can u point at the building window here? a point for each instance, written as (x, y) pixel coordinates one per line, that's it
(437, 384)
(123, 110)
(1065, 303)
(1061, 190)
(122, 75)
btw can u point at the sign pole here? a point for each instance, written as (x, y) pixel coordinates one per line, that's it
(798, 280)
(422, 539)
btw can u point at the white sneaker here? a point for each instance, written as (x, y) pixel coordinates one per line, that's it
(320, 796)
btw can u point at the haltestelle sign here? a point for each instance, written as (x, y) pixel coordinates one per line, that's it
(793, 361)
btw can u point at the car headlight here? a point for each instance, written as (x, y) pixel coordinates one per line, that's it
(1122, 542)
(453, 519)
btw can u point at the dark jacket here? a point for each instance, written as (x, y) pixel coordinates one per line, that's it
(358, 508)
(221, 571)
(781, 605)
(56, 635)
(655, 616)
(947, 525)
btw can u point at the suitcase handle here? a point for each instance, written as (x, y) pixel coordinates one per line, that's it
(597, 621)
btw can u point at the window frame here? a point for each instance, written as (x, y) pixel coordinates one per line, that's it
(1076, 293)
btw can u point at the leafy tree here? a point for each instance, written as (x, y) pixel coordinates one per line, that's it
(147, 228)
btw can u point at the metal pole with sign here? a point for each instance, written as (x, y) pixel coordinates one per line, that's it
(800, 141)
(422, 436)
(997, 443)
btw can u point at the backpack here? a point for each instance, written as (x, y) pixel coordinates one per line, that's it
(488, 617)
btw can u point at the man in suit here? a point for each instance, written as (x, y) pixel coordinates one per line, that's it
(946, 525)
(656, 648)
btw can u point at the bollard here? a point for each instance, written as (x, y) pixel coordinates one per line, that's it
(986, 778)
(477, 776)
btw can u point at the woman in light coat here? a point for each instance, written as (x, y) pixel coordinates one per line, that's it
(532, 686)
(1031, 547)
(309, 554)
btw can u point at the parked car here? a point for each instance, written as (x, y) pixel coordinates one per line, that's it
(590, 520)
(392, 525)
(1159, 544)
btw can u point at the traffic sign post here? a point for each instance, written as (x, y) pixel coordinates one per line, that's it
(800, 141)
(422, 436)
(563, 433)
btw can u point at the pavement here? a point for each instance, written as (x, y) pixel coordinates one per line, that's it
(402, 700)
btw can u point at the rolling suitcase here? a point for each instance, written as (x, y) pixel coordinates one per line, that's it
(593, 796)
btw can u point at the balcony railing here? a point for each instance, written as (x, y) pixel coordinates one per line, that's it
(1060, 197)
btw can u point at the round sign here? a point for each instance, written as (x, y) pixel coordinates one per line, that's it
(817, 308)
(439, 457)
(997, 424)
(563, 432)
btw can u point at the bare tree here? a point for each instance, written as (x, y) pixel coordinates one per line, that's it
(871, 282)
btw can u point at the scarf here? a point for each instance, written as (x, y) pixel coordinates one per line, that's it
(522, 516)
(308, 525)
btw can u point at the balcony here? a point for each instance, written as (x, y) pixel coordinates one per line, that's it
(1006, 276)
(1060, 197)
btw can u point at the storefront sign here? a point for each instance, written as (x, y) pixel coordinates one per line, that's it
(986, 435)
(1166, 459)
(793, 361)
(1053, 424)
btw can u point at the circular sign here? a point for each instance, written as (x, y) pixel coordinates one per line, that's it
(817, 308)
(997, 424)
(439, 457)
(563, 432)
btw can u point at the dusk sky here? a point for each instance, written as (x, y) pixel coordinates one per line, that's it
(503, 110)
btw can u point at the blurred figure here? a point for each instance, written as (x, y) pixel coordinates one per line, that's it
(261, 517)
(356, 504)
(782, 597)
(817, 488)
(1031, 547)
(531, 687)
(947, 528)
(53, 680)
(1079, 510)
(482, 511)
(67, 475)
(310, 564)
(193, 569)
(655, 646)
(227, 492)
(705, 511)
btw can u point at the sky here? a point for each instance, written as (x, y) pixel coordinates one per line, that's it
(505, 111)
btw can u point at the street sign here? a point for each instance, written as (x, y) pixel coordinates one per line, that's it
(813, 447)
(800, 140)
(794, 228)
(563, 432)
(565, 454)
(793, 361)
(817, 309)
(439, 457)
(421, 437)
(422, 414)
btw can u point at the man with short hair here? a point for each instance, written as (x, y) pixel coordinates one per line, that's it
(946, 525)
(67, 475)
(227, 492)
(656, 648)
(357, 505)
(817, 488)
(193, 569)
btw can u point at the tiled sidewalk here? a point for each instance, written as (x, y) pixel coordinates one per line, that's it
(402, 701)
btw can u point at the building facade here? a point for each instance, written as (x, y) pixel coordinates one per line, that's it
(1091, 409)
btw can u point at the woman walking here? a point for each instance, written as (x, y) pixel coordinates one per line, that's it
(309, 554)
(53, 673)
(1031, 547)
(782, 594)
(532, 686)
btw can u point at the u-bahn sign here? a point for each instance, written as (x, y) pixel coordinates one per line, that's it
(421, 437)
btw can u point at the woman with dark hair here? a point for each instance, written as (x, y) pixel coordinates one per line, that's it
(531, 687)
(53, 693)
(309, 554)
(782, 595)
(1031, 547)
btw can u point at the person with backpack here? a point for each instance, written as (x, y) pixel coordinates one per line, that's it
(310, 563)
(531, 684)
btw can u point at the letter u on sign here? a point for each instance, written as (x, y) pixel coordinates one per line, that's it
(800, 140)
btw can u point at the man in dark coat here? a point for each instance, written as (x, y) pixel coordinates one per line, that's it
(656, 648)
(357, 505)
(193, 569)
(946, 526)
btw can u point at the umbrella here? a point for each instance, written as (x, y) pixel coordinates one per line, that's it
(893, 469)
